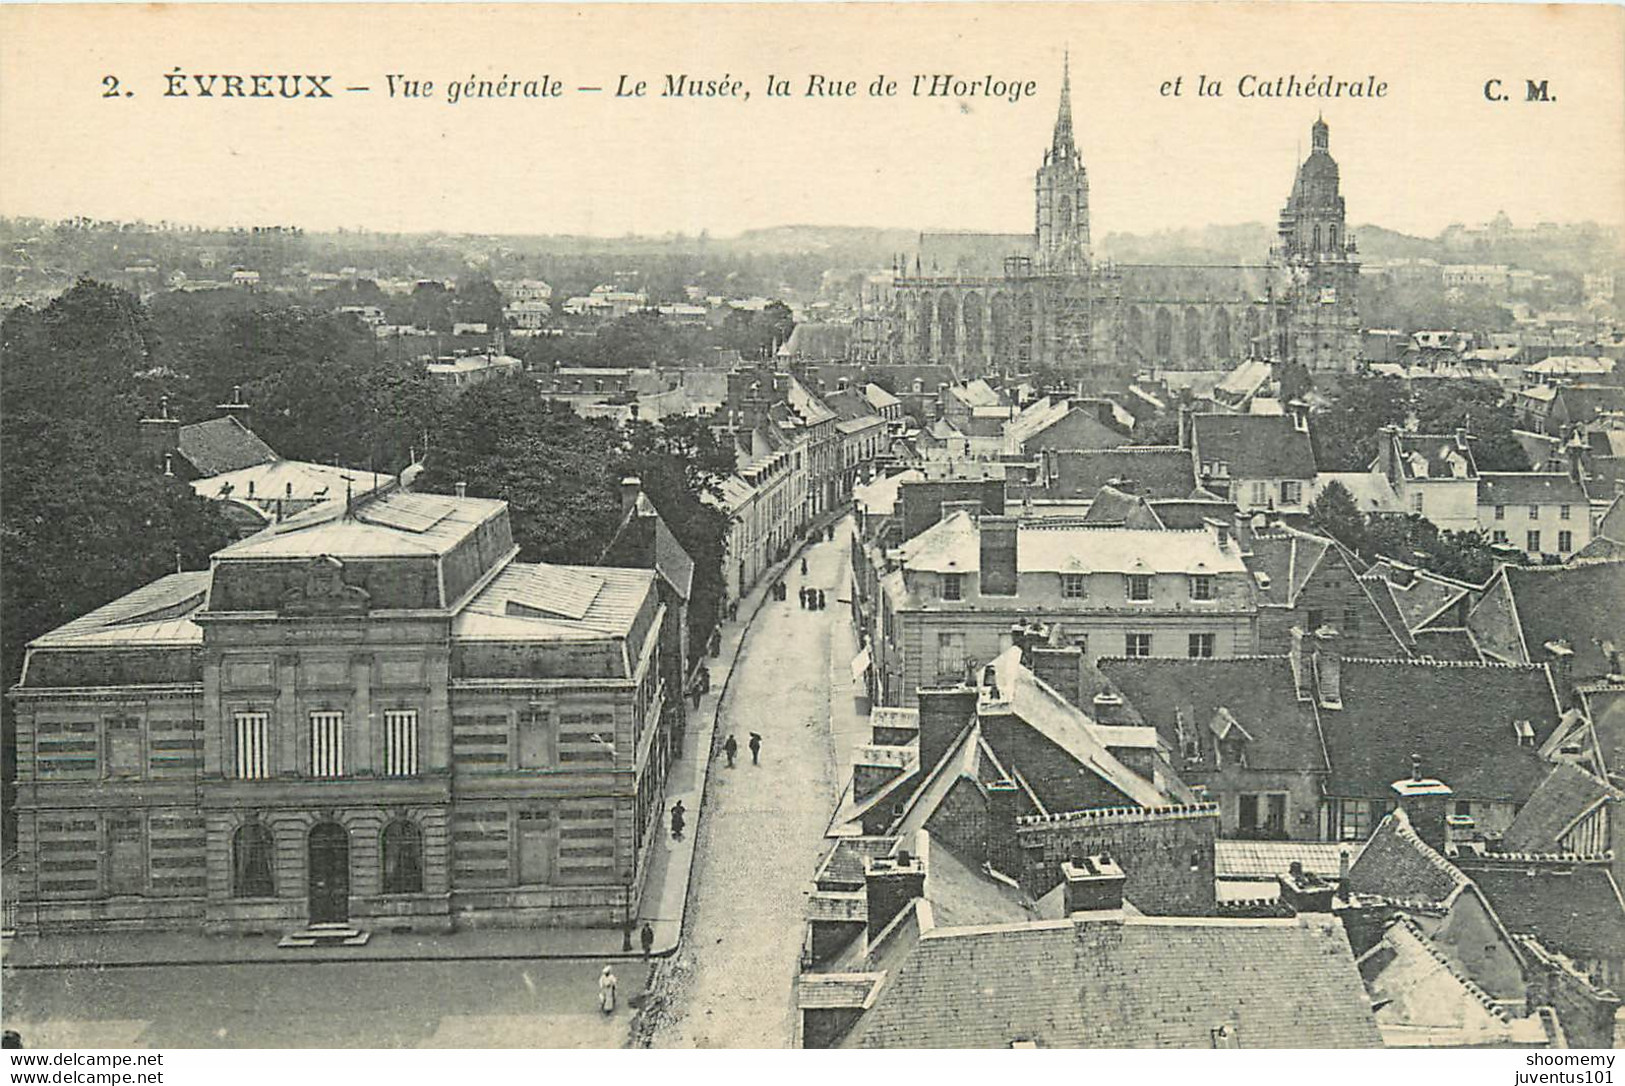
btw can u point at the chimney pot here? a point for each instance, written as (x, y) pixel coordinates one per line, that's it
(462, 490)
(631, 487)
(1094, 884)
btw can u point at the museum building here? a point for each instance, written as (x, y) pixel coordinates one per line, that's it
(368, 715)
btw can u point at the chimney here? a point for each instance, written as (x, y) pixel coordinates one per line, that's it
(1094, 884)
(161, 435)
(462, 490)
(998, 557)
(1300, 415)
(1560, 657)
(236, 408)
(1401, 574)
(1426, 804)
(1184, 426)
(1328, 668)
(1108, 708)
(944, 712)
(1003, 847)
(1059, 666)
(1304, 892)
(889, 884)
(631, 487)
(1222, 532)
(1301, 679)
(1343, 865)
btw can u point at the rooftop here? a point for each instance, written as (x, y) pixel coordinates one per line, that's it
(953, 546)
(220, 445)
(394, 525)
(533, 601)
(1253, 446)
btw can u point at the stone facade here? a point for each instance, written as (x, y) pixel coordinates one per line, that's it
(1043, 300)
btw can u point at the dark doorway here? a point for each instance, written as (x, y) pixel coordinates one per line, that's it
(329, 874)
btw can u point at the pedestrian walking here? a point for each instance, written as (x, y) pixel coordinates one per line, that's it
(731, 748)
(694, 692)
(755, 749)
(677, 819)
(820, 604)
(647, 939)
(705, 679)
(803, 567)
(606, 991)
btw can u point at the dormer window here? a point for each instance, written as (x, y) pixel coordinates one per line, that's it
(953, 586)
(1139, 586)
(1201, 586)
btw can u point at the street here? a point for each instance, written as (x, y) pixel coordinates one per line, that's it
(473, 1004)
(761, 832)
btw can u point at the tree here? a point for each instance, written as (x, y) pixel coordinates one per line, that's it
(1346, 436)
(1481, 408)
(1334, 511)
(478, 300)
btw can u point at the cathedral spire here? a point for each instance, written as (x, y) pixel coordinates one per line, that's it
(1063, 148)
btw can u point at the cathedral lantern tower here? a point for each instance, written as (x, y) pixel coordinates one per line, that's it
(1062, 189)
(1320, 274)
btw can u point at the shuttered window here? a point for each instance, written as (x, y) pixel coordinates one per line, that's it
(327, 744)
(253, 746)
(400, 743)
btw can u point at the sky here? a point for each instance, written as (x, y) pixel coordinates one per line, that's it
(1434, 150)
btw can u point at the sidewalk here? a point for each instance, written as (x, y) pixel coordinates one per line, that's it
(664, 902)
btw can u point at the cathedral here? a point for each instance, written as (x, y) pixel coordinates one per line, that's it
(1013, 302)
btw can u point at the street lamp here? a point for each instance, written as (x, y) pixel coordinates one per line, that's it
(626, 911)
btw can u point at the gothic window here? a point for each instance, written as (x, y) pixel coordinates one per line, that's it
(1317, 238)
(1193, 334)
(926, 317)
(947, 326)
(1331, 238)
(1221, 334)
(1064, 219)
(1003, 343)
(1136, 331)
(1164, 347)
(403, 858)
(973, 326)
(251, 850)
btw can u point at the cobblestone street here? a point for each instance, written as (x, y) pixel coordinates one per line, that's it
(761, 831)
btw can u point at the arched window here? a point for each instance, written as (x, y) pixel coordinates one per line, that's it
(1065, 219)
(251, 850)
(403, 858)
(1317, 238)
(1331, 237)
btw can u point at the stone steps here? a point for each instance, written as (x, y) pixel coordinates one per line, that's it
(325, 935)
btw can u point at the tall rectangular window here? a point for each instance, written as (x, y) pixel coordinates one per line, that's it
(1139, 586)
(126, 859)
(1563, 512)
(253, 746)
(1201, 646)
(327, 744)
(1534, 512)
(535, 740)
(1565, 541)
(1074, 586)
(1291, 492)
(400, 742)
(950, 656)
(1137, 644)
(538, 848)
(1416, 502)
(1533, 541)
(123, 746)
(1500, 512)
(952, 586)
(1261, 493)
(1201, 586)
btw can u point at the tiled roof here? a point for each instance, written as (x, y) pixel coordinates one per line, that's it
(1416, 988)
(879, 398)
(643, 541)
(1448, 644)
(156, 613)
(1153, 471)
(962, 896)
(1435, 456)
(1577, 603)
(221, 445)
(1266, 859)
(843, 865)
(1573, 908)
(1426, 596)
(1530, 488)
(1143, 983)
(1458, 718)
(1397, 865)
(1112, 506)
(1253, 446)
(1258, 692)
(1605, 705)
(1586, 402)
(1065, 725)
(1567, 793)
(1287, 555)
(1192, 512)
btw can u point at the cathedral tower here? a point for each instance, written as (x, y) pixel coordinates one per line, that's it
(1063, 195)
(1316, 260)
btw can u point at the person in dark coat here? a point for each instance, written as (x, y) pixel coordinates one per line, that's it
(731, 748)
(803, 567)
(677, 819)
(647, 938)
(755, 749)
